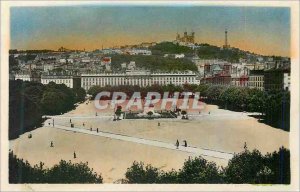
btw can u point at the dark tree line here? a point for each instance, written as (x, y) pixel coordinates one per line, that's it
(29, 101)
(21, 171)
(246, 167)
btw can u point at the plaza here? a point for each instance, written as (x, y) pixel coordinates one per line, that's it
(215, 134)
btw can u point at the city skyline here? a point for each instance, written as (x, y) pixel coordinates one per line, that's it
(262, 30)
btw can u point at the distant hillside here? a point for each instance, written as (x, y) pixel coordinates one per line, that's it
(153, 63)
(170, 48)
(205, 51)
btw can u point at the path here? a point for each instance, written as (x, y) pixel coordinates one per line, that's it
(189, 149)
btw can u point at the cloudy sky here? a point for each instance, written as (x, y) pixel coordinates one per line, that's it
(263, 30)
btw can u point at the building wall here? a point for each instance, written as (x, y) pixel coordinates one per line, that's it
(273, 80)
(23, 77)
(256, 81)
(68, 81)
(142, 80)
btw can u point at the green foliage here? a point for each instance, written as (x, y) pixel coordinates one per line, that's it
(64, 172)
(138, 173)
(253, 167)
(57, 98)
(153, 63)
(79, 94)
(246, 167)
(25, 111)
(29, 101)
(199, 170)
(231, 55)
(170, 48)
(22, 172)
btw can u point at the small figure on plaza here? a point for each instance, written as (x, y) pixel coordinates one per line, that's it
(185, 143)
(177, 144)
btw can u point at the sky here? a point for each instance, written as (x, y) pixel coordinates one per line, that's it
(263, 30)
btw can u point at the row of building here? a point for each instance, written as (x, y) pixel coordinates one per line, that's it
(141, 78)
(278, 79)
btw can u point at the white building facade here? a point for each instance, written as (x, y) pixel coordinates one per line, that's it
(140, 78)
(58, 79)
(23, 77)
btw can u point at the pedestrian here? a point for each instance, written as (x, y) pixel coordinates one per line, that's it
(70, 121)
(74, 155)
(91, 129)
(158, 124)
(209, 112)
(97, 130)
(177, 144)
(51, 144)
(185, 143)
(82, 124)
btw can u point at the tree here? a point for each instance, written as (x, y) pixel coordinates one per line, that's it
(64, 172)
(150, 113)
(25, 111)
(79, 94)
(244, 167)
(199, 170)
(137, 173)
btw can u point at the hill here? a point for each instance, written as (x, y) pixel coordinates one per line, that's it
(153, 63)
(205, 51)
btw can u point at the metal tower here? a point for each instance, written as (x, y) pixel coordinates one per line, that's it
(226, 41)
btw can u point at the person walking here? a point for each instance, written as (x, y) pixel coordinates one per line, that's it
(177, 144)
(74, 154)
(70, 121)
(91, 129)
(51, 144)
(185, 143)
(97, 130)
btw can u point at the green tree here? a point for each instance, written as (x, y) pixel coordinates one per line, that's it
(79, 94)
(138, 173)
(199, 170)
(244, 167)
(67, 172)
(64, 172)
